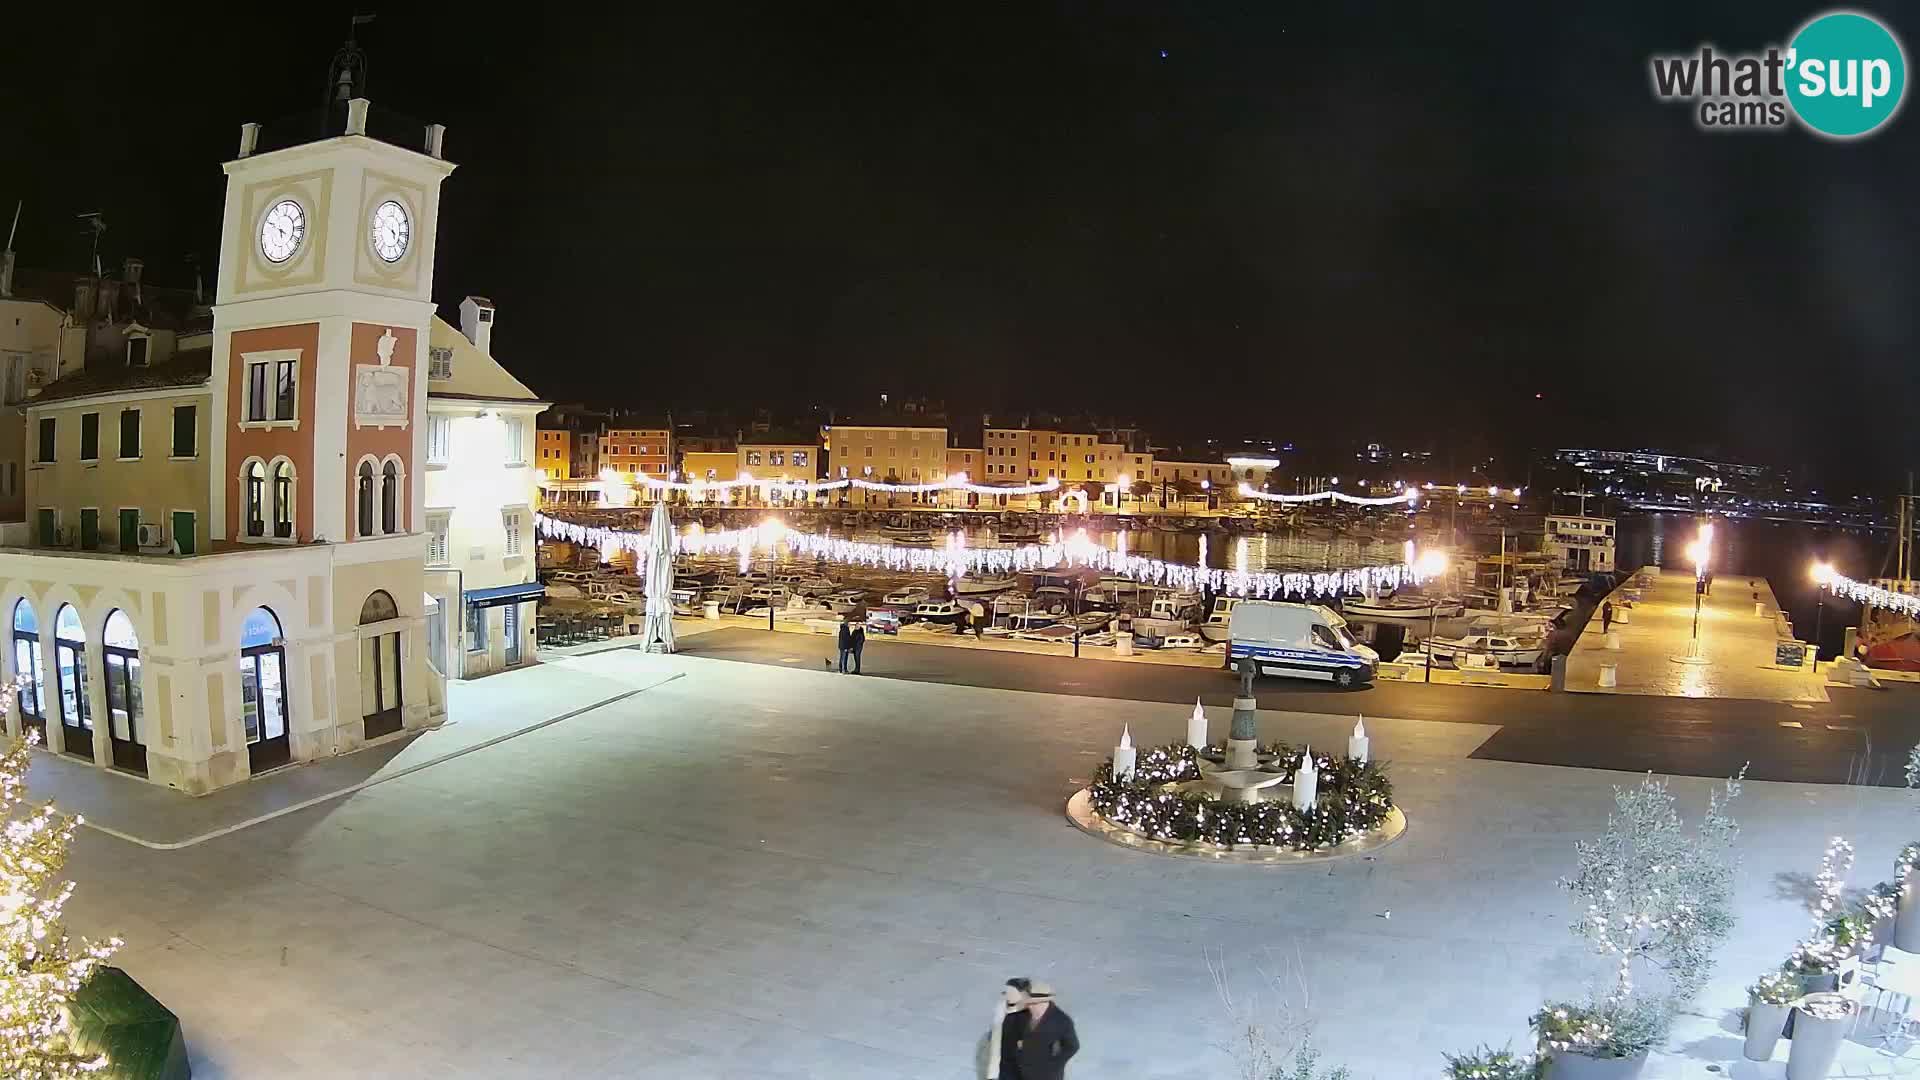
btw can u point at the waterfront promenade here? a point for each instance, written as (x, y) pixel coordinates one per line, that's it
(1736, 650)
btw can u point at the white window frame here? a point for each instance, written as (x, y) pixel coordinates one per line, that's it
(439, 439)
(272, 358)
(513, 522)
(516, 440)
(440, 362)
(439, 538)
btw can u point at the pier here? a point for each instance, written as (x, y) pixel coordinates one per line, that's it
(1742, 629)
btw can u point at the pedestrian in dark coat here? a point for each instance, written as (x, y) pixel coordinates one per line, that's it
(845, 642)
(1606, 615)
(859, 644)
(1010, 1022)
(1049, 1043)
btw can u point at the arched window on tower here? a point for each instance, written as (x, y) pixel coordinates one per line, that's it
(390, 499)
(364, 498)
(256, 498)
(283, 499)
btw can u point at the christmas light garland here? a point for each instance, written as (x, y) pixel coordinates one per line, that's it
(953, 482)
(1354, 798)
(1870, 595)
(953, 560)
(1410, 497)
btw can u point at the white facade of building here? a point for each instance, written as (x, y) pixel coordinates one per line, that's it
(482, 486)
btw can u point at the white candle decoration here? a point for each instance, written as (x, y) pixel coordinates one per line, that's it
(1306, 782)
(1357, 742)
(1197, 727)
(1124, 756)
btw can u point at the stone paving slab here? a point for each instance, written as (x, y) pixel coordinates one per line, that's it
(483, 711)
(1737, 644)
(755, 871)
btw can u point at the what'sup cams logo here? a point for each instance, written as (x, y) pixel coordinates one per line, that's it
(1842, 76)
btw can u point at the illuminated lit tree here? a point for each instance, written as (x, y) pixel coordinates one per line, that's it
(41, 969)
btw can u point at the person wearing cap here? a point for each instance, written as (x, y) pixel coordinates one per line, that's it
(1042, 1052)
(1009, 1027)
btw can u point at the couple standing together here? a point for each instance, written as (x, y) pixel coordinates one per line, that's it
(852, 641)
(1032, 1038)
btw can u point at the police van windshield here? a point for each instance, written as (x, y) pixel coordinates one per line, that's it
(1333, 637)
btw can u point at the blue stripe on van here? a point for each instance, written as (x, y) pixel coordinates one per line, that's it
(1297, 656)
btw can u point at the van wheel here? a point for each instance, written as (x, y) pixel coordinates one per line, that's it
(1343, 679)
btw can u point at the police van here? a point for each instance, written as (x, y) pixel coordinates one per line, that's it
(1301, 641)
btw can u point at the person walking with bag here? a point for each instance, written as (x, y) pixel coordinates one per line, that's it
(1049, 1042)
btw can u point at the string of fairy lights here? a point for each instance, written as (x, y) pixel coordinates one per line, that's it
(954, 559)
(791, 488)
(1870, 595)
(1409, 497)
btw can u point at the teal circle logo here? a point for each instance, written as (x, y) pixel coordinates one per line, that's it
(1846, 74)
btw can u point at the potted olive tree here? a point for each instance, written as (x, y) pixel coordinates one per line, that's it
(1655, 899)
(1768, 1001)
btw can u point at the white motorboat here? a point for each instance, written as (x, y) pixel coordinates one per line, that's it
(1027, 622)
(847, 600)
(815, 586)
(970, 585)
(915, 539)
(1401, 607)
(910, 596)
(1506, 651)
(938, 611)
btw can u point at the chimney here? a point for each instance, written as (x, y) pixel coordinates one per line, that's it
(83, 299)
(130, 273)
(249, 138)
(6, 272)
(476, 321)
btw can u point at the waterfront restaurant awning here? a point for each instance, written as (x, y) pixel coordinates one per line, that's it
(506, 594)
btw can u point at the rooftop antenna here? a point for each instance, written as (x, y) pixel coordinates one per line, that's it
(347, 75)
(96, 223)
(12, 232)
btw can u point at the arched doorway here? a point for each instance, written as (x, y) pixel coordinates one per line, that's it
(26, 663)
(380, 698)
(120, 655)
(263, 690)
(70, 678)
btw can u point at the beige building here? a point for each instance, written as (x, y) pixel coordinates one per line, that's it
(481, 488)
(888, 454)
(295, 631)
(1192, 484)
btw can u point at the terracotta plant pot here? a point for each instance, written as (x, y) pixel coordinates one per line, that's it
(1567, 1065)
(1764, 1025)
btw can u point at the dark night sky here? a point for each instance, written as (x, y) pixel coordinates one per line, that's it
(1382, 221)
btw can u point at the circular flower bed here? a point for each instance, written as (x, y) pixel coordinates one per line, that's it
(1353, 800)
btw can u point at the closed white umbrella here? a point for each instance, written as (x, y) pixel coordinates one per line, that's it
(659, 636)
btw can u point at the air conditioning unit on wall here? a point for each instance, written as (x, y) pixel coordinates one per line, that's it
(152, 537)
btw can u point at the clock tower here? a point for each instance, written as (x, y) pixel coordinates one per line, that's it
(321, 319)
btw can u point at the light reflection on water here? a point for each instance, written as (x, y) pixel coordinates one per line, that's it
(1277, 551)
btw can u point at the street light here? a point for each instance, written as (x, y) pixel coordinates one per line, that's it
(1430, 564)
(1822, 574)
(1701, 553)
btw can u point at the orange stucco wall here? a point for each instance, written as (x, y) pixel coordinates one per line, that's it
(380, 441)
(295, 444)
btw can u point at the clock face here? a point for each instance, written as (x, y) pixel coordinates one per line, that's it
(282, 230)
(391, 231)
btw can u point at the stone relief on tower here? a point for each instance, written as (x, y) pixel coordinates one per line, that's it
(380, 391)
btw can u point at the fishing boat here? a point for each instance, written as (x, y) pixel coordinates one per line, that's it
(912, 539)
(971, 585)
(815, 586)
(1217, 628)
(1401, 607)
(1017, 536)
(1027, 622)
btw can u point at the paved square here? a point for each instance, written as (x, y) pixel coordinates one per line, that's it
(760, 872)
